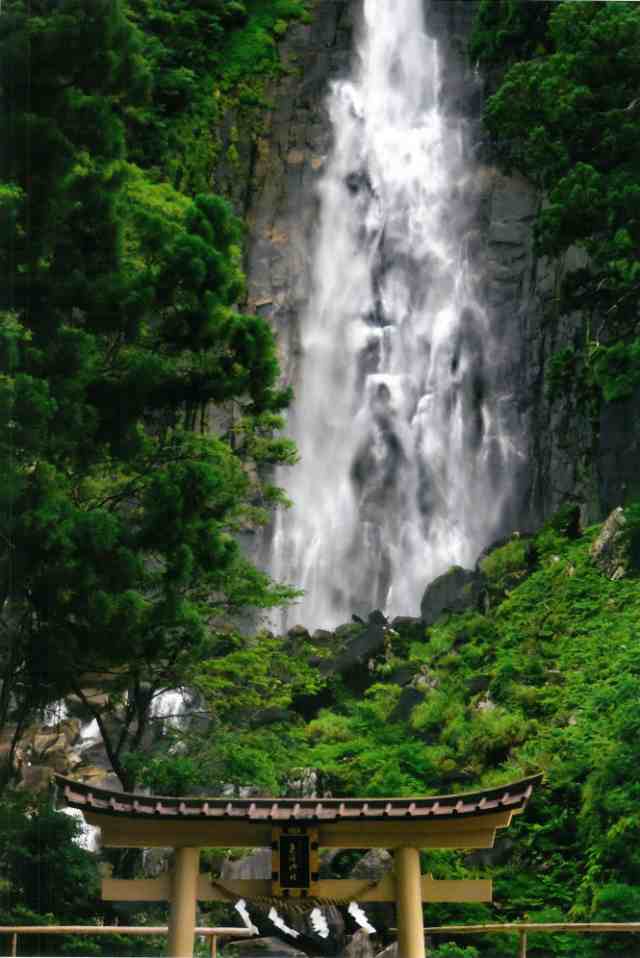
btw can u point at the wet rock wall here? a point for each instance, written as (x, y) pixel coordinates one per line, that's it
(566, 448)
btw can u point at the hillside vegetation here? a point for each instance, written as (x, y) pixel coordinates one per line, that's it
(140, 417)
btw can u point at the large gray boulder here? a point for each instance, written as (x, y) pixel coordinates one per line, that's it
(359, 643)
(262, 948)
(255, 865)
(360, 946)
(457, 590)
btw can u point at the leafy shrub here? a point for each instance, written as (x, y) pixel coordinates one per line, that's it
(506, 566)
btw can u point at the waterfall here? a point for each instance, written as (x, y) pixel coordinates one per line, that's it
(404, 452)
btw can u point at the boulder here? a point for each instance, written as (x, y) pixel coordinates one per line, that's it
(409, 698)
(302, 782)
(360, 946)
(255, 865)
(70, 728)
(402, 675)
(376, 863)
(36, 778)
(262, 948)
(409, 626)
(479, 682)
(359, 644)
(611, 551)
(377, 618)
(457, 590)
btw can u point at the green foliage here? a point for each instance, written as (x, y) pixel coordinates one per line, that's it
(616, 369)
(508, 30)
(546, 679)
(451, 950)
(209, 60)
(566, 115)
(505, 566)
(46, 878)
(561, 372)
(118, 336)
(254, 674)
(44, 872)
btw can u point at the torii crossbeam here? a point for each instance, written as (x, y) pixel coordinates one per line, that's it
(296, 829)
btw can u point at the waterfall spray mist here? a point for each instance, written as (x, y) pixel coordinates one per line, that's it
(404, 456)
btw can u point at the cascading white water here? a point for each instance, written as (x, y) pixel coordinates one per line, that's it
(403, 455)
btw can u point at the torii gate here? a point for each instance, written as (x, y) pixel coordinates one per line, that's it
(296, 829)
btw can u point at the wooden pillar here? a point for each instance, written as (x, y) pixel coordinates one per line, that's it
(409, 903)
(522, 950)
(184, 891)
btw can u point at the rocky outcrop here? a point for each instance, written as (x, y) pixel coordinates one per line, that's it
(262, 948)
(390, 952)
(255, 865)
(569, 449)
(611, 551)
(360, 946)
(276, 167)
(457, 590)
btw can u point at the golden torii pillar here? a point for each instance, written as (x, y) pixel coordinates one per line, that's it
(296, 830)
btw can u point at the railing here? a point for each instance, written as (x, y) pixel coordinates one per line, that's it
(212, 933)
(524, 929)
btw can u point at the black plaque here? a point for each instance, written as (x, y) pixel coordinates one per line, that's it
(295, 864)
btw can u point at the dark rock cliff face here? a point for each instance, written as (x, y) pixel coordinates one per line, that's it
(566, 450)
(572, 449)
(274, 184)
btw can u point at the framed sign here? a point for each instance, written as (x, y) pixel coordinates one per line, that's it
(294, 870)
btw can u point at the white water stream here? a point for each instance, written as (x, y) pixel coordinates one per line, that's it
(403, 457)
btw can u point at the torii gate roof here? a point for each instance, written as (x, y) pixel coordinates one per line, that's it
(466, 820)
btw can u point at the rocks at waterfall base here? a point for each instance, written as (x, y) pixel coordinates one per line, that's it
(455, 591)
(262, 948)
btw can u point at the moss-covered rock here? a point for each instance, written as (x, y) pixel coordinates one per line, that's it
(456, 590)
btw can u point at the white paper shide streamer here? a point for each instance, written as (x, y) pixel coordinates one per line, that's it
(241, 908)
(279, 923)
(319, 923)
(360, 918)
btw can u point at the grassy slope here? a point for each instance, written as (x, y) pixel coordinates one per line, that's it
(548, 678)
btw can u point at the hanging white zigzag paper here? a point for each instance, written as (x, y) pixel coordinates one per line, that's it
(241, 907)
(279, 923)
(360, 917)
(319, 923)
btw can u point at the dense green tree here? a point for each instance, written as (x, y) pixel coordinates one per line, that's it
(508, 30)
(249, 733)
(48, 877)
(122, 494)
(43, 870)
